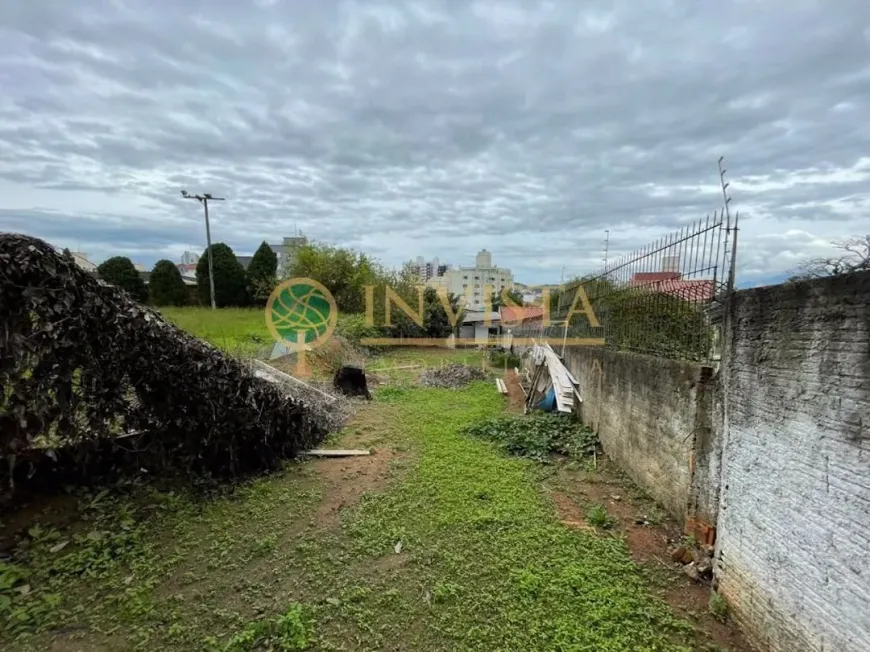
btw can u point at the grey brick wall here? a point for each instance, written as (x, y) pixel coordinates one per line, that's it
(794, 508)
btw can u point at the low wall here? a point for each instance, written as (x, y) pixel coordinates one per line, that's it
(794, 518)
(648, 413)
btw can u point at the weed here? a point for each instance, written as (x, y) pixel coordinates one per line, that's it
(445, 591)
(264, 545)
(537, 436)
(718, 607)
(289, 631)
(690, 542)
(499, 359)
(597, 516)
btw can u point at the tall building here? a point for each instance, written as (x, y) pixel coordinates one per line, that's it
(427, 269)
(287, 251)
(474, 285)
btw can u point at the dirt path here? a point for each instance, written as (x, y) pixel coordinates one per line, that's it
(344, 480)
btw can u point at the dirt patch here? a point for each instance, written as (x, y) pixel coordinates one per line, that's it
(516, 397)
(52, 510)
(650, 534)
(569, 512)
(346, 479)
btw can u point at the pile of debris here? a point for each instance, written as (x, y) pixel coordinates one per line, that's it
(330, 408)
(551, 387)
(451, 376)
(697, 562)
(97, 385)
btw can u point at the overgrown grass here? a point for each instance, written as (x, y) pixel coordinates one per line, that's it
(495, 569)
(459, 552)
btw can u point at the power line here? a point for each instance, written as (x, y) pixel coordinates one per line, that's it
(204, 199)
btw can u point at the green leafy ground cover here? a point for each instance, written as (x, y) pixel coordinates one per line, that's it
(458, 550)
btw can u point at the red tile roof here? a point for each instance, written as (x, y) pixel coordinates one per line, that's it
(642, 278)
(518, 314)
(686, 289)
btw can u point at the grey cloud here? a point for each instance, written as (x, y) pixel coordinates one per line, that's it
(436, 128)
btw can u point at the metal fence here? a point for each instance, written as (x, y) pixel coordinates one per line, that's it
(664, 299)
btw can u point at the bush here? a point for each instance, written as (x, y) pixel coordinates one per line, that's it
(165, 286)
(262, 273)
(354, 329)
(120, 272)
(230, 284)
(498, 359)
(537, 436)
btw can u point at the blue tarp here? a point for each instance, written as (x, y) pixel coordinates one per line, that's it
(548, 404)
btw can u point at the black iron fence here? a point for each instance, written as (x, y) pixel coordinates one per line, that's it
(664, 299)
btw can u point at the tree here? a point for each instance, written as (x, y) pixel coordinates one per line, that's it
(436, 323)
(513, 295)
(262, 273)
(120, 272)
(856, 258)
(166, 286)
(230, 287)
(343, 272)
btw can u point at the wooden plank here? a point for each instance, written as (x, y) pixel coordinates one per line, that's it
(407, 366)
(325, 452)
(268, 372)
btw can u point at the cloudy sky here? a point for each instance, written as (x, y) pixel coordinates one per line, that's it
(436, 128)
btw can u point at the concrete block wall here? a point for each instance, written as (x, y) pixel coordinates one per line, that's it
(647, 412)
(794, 509)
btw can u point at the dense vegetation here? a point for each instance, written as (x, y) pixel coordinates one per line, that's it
(537, 436)
(120, 272)
(361, 286)
(165, 285)
(230, 284)
(262, 274)
(639, 319)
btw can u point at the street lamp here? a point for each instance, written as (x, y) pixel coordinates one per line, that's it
(203, 199)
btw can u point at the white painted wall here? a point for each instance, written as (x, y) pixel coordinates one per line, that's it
(794, 513)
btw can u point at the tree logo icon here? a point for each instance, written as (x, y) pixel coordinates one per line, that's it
(301, 313)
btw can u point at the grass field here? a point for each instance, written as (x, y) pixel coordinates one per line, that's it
(231, 329)
(436, 542)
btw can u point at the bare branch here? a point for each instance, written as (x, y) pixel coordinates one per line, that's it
(856, 258)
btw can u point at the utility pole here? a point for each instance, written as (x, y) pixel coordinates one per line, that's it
(606, 247)
(203, 199)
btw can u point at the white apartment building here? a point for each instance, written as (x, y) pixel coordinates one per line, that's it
(474, 285)
(427, 269)
(287, 251)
